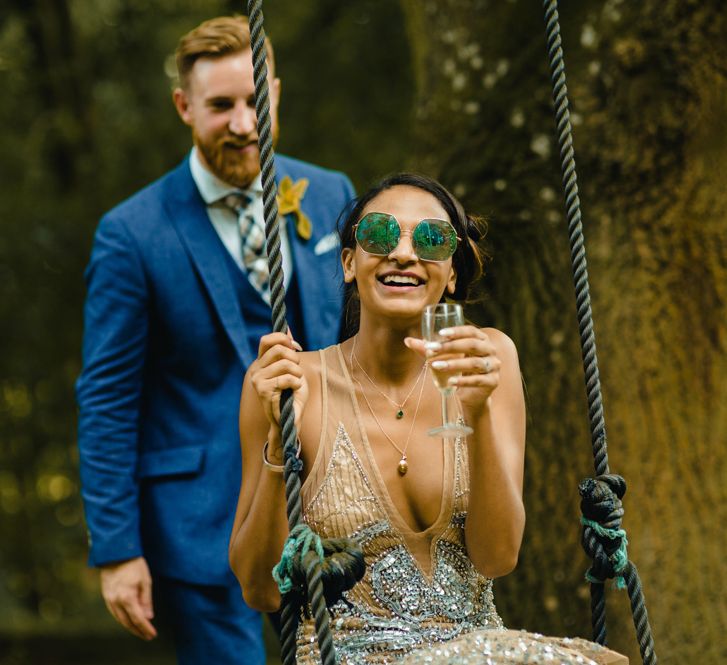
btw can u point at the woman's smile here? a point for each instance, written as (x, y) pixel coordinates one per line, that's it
(397, 281)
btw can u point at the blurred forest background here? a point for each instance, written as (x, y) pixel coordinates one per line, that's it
(459, 89)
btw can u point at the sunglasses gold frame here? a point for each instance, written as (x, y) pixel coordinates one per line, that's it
(410, 233)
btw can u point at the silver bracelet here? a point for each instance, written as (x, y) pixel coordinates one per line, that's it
(277, 468)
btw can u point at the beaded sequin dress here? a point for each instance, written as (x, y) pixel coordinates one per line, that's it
(403, 611)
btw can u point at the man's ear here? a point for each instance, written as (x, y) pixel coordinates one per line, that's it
(452, 281)
(348, 261)
(275, 88)
(181, 103)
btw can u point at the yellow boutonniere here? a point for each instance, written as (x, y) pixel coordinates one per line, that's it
(290, 195)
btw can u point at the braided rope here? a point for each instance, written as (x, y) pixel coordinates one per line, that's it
(575, 234)
(639, 613)
(598, 611)
(287, 416)
(591, 540)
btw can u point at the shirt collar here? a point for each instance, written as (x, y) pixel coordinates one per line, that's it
(211, 188)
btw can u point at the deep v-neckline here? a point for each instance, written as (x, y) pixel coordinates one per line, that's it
(396, 518)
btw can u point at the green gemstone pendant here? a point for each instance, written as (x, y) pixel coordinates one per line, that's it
(399, 414)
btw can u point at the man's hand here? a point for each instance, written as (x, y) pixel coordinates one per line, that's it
(126, 590)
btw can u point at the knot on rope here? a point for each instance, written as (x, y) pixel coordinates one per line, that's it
(603, 539)
(341, 559)
(293, 454)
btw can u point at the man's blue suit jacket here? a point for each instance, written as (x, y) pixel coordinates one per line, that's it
(164, 355)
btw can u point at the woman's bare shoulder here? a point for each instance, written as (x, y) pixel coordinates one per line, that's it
(310, 362)
(310, 426)
(502, 342)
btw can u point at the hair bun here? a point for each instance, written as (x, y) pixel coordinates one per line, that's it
(473, 230)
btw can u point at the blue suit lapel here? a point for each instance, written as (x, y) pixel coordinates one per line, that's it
(318, 308)
(309, 284)
(188, 213)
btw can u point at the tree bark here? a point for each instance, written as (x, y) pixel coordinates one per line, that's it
(648, 90)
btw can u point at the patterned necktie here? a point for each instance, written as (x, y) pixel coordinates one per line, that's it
(252, 243)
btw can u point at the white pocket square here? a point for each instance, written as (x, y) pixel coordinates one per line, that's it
(326, 244)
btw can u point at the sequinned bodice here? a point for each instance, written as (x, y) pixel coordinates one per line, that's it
(421, 599)
(400, 604)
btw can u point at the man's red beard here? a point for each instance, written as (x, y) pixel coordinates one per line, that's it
(228, 163)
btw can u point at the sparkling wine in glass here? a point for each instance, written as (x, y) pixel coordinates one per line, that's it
(434, 319)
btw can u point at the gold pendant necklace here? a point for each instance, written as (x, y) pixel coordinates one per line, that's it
(400, 407)
(403, 466)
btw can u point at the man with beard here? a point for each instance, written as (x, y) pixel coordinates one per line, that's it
(178, 297)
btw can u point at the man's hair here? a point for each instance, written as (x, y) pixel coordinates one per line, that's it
(216, 38)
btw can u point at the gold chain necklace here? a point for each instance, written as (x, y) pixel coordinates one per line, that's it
(400, 407)
(403, 466)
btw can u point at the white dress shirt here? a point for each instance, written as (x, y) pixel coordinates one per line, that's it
(224, 219)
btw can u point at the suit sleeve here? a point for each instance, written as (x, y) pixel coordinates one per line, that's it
(109, 393)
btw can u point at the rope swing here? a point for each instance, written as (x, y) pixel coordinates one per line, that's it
(317, 571)
(602, 538)
(301, 577)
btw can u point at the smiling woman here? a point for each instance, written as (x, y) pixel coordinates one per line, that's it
(436, 519)
(444, 214)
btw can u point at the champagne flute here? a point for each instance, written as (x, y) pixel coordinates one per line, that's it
(434, 319)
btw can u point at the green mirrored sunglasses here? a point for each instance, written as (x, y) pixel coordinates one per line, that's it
(433, 239)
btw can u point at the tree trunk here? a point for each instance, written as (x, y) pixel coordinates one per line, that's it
(648, 89)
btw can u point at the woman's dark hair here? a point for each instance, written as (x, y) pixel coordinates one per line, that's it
(468, 258)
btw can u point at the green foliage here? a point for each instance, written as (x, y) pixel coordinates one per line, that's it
(347, 86)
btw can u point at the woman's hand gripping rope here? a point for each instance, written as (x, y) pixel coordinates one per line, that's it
(277, 368)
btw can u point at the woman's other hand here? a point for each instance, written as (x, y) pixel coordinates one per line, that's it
(470, 357)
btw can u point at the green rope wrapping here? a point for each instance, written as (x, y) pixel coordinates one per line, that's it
(619, 558)
(301, 539)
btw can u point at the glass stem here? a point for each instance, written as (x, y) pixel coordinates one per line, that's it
(446, 394)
